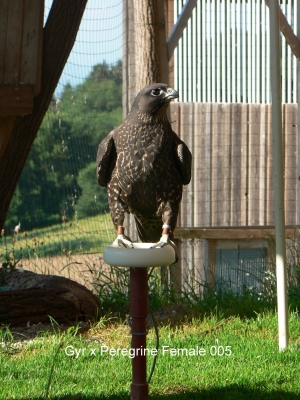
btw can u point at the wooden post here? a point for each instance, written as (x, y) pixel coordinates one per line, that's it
(150, 42)
(176, 272)
(128, 61)
(210, 262)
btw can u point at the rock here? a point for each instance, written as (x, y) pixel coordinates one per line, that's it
(37, 297)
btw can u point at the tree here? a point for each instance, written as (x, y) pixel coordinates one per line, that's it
(150, 49)
(59, 175)
(93, 199)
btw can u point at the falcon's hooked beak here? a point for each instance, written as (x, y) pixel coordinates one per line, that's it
(171, 94)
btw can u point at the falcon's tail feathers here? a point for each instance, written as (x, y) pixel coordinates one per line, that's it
(149, 236)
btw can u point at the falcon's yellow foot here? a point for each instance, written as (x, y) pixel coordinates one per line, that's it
(123, 241)
(166, 241)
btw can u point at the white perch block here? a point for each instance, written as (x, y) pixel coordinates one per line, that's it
(141, 256)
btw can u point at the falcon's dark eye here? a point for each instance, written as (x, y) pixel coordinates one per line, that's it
(155, 92)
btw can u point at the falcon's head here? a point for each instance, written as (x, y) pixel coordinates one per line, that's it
(154, 99)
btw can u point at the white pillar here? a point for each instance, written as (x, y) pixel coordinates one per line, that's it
(278, 176)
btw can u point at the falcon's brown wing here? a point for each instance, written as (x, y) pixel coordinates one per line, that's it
(184, 158)
(106, 159)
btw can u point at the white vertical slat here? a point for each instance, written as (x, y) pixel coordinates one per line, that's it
(257, 19)
(185, 63)
(238, 52)
(283, 66)
(214, 63)
(213, 51)
(204, 64)
(294, 60)
(228, 52)
(180, 74)
(208, 45)
(188, 61)
(248, 60)
(268, 80)
(263, 52)
(223, 36)
(253, 66)
(252, 49)
(217, 53)
(180, 60)
(289, 58)
(176, 62)
(255, 72)
(194, 55)
(249, 50)
(244, 50)
(200, 54)
(233, 53)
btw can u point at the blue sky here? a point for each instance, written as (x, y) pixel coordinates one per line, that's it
(99, 38)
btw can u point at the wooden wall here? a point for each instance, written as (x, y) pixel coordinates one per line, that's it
(232, 180)
(21, 26)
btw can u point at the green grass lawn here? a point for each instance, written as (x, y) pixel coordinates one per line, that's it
(241, 361)
(217, 346)
(87, 235)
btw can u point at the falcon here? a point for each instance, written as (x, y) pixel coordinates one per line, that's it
(144, 165)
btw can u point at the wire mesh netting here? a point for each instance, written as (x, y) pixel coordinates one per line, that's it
(59, 210)
(59, 222)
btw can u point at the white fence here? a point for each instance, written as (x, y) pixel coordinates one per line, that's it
(223, 55)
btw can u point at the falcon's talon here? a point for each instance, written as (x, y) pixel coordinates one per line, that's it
(123, 241)
(166, 241)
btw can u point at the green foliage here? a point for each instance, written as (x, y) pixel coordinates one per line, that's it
(58, 175)
(199, 299)
(94, 198)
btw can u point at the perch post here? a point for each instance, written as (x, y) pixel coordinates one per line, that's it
(139, 259)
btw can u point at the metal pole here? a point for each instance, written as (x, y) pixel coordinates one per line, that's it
(278, 155)
(138, 313)
(298, 100)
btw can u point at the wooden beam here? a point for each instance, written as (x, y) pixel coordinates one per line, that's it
(128, 59)
(234, 232)
(178, 28)
(16, 99)
(288, 33)
(6, 126)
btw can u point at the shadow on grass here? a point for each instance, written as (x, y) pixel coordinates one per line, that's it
(230, 392)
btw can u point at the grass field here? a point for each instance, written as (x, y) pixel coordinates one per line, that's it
(88, 235)
(218, 345)
(239, 360)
